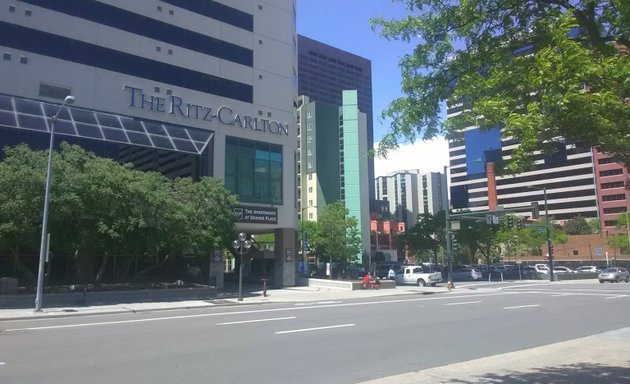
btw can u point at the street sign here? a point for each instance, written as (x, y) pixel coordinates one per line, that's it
(455, 225)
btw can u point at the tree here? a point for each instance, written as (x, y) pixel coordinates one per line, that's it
(100, 208)
(427, 236)
(21, 202)
(480, 237)
(622, 240)
(577, 226)
(337, 237)
(575, 85)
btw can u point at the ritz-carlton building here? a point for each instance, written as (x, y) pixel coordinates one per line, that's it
(184, 87)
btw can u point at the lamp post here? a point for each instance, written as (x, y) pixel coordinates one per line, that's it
(241, 245)
(549, 244)
(43, 249)
(449, 245)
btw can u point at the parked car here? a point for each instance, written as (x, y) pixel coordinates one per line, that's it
(614, 274)
(562, 269)
(587, 268)
(466, 273)
(416, 274)
(542, 268)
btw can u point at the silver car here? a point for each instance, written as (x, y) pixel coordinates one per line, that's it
(614, 274)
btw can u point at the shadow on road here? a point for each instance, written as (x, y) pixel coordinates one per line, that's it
(565, 374)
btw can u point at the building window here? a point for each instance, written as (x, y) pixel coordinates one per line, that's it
(310, 189)
(6, 56)
(616, 184)
(309, 126)
(613, 197)
(310, 176)
(253, 170)
(606, 160)
(309, 114)
(23, 60)
(611, 172)
(11, 8)
(610, 223)
(28, 12)
(159, 8)
(613, 210)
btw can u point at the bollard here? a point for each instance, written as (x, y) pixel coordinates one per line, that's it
(264, 281)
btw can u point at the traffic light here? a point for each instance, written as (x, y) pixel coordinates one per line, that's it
(520, 224)
(454, 243)
(535, 210)
(510, 221)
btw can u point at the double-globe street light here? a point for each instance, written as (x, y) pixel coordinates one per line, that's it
(43, 249)
(241, 246)
(549, 244)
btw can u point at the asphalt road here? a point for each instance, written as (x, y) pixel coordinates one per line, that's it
(348, 341)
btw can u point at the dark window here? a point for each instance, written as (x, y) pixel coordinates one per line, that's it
(27, 39)
(608, 211)
(145, 26)
(611, 172)
(616, 184)
(253, 170)
(614, 197)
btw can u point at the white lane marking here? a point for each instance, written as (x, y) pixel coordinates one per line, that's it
(315, 329)
(523, 306)
(464, 303)
(394, 301)
(318, 303)
(615, 297)
(563, 294)
(2, 363)
(257, 320)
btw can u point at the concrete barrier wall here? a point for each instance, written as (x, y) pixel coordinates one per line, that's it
(346, 284)
(108, 297)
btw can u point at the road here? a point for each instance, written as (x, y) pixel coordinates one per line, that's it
(347, 341)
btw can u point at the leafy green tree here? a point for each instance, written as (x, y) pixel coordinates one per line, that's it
(478, 237)
(621, 240)
(477, 53)
(577, 226)
(100, 208)
(21, 203)
(427, 237)
(337, 237)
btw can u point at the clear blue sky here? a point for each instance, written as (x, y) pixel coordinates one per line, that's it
(344, 24)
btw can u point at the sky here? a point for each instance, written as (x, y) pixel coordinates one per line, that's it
(344, 24)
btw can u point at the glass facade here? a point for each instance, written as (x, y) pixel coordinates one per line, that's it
(253, 170)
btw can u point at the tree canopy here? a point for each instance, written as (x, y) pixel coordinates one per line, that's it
(100, 208)
(335, 236)
(542, 71)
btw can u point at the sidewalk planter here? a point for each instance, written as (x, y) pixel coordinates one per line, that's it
(109, 297)
(346, 284)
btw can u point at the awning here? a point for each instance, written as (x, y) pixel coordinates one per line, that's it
(20, 113)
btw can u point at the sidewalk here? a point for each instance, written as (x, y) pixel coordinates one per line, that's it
(602, 358)
(229, 297)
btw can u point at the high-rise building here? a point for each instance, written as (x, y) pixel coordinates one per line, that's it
(184, 87)
(567, 175)
(410, 193)
(613, 187)
(325, 72)
(332, 160)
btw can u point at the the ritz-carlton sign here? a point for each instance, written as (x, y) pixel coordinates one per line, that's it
(175, 105)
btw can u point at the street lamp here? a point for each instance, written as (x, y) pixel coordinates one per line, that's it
(43, 249)
(549, 244)
(241, 245)
(449, 233)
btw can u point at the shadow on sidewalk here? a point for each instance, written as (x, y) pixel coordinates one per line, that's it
(583, 373)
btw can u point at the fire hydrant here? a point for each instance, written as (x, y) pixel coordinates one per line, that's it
(264, 281)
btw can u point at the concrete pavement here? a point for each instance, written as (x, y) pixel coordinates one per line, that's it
(602, 358)
(285, 295)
